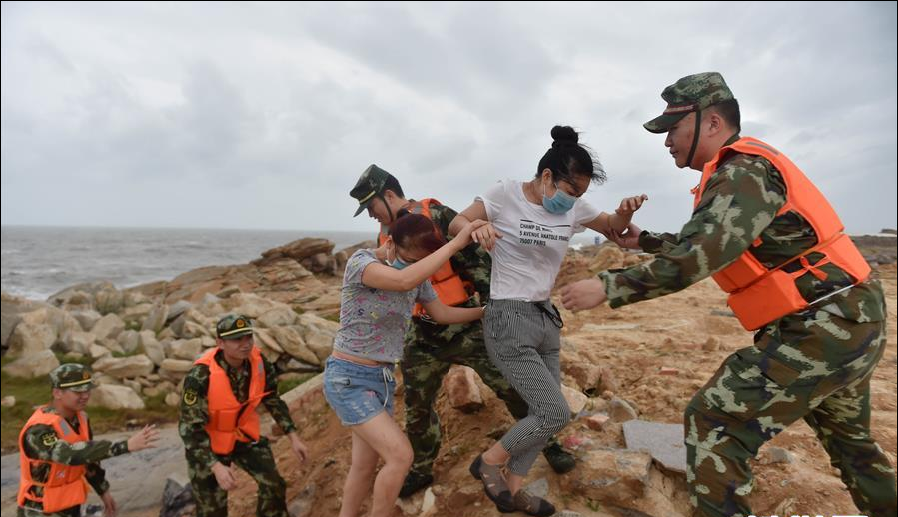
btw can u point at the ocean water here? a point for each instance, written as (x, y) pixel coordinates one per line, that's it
(40, 261)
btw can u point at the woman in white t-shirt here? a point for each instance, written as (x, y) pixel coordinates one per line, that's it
(531, 223)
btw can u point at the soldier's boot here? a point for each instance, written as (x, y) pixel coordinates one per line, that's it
(559, 459)
(415, 481)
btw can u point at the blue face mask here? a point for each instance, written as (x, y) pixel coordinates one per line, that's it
(397, 262)
(559, 203)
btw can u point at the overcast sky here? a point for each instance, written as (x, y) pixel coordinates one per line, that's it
(264, 115)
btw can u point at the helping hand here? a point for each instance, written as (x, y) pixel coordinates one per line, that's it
(474, 231)
(629, 238)
(486, 235)
(144, 439)
(584, 294)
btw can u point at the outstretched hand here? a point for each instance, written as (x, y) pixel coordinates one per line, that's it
(143, 439)
(584, 294)
(628, 205)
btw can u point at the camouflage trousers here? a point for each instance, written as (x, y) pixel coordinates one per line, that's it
(258, 461)
(431, 350)
(814, 366)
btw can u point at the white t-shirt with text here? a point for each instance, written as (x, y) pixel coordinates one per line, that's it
(534, 241)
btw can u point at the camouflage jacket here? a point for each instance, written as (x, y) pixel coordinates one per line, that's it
(472, 263)
(195, 406)
(41, 443)
(738, 206)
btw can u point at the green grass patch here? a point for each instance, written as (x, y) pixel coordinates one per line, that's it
(285, 386)
(30, 393)
(84, 359)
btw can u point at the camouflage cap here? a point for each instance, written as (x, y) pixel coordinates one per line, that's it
(691, 93)
(71, 376)
(233, 326)
(370, 183)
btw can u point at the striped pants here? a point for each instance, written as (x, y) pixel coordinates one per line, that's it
(523, 343)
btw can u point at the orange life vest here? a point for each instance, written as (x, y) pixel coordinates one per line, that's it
(230, 420)
(759, 295)
(65, 486)
(450, 288)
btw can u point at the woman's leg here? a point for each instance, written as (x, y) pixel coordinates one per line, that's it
(384, 436)
(361, 474)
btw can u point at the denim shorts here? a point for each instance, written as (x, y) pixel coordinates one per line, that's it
(356, 392)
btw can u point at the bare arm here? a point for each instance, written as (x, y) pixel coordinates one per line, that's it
(473, 212)
(445, 315)
(484, 235)
(379, 276)
(619, 221)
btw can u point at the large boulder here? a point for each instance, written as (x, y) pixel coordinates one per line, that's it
(627, 480)
(115, 396)
(129, 341)
(282, 316)
(125, 367)
(297, 250)
(156, 319)
(109, 300)
(250, 305)
(36, 364)
(178, 366)
(109, 326)
(79, 342)
(135, 315)
(87, 318)
(151, 347)
(80, 296)
(290, 340)
(27, 339)
(187, 349)
(318, 334)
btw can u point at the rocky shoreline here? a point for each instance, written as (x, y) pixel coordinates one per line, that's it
(617, 370)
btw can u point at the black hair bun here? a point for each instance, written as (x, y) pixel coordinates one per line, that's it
(564, 135)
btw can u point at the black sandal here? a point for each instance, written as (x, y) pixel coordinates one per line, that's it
(493, 484)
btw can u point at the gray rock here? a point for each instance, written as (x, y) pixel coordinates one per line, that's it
(177, 497)
(157, 318)
(109, 300)
(129, 340)
(33, 365)
(87, 319)
(29, 338)
(663, 441)
(778, 455)
(125, 367)
(109, 326)
(179, 308)
(115, 396)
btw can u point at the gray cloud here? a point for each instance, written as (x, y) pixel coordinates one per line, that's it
(246, 116)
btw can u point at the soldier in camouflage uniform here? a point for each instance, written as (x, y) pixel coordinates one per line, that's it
(212, 474)
(432, 349)
(813, 364)
(42, 446)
